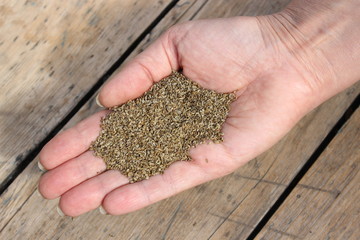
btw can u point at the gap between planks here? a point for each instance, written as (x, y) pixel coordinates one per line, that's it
(313, 158)
(187, 14)
(35, 151)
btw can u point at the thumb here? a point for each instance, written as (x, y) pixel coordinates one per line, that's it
(137, 76)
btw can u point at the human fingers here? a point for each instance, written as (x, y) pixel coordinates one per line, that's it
(72, 142)
(66, 176)
(150, 66)
(89, 194)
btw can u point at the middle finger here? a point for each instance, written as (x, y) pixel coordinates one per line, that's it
(71, 173)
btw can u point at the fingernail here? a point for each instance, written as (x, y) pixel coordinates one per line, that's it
(98, 102)
(41, 167)
(38, 193)
(102, 211)
(58, 209)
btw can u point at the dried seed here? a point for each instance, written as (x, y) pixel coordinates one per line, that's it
(144, 136)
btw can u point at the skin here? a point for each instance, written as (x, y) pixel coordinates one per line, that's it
(281, 65)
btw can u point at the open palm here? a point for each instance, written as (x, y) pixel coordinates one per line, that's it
(244, 54)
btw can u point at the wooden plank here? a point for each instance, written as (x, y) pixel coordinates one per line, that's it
(51, 54)
(194, 214)
(275, 169)
(201, 210)
(20, 191)
(325, 204)
(22, 188)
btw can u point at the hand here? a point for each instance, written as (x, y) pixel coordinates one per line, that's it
(278, 80)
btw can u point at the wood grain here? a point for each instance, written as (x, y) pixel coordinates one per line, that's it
(222, 209)
(275, 169)
(325, 204)
(22, 188)
(20, 191)
(51, 54)
(227, 208)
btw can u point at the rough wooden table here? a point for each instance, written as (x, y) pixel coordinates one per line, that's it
(55, 55)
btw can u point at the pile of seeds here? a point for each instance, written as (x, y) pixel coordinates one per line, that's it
(142, 137)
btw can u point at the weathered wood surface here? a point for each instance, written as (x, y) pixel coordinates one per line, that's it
(51, 54)
(272, 172)
(22, 188)
(226, 208)
(325, 204)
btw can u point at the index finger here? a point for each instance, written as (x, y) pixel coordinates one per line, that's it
(150, 66)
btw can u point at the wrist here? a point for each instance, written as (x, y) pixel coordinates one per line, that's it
(324, 38)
